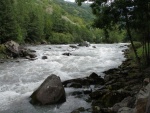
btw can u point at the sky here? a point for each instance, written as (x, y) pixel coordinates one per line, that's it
(70, 0)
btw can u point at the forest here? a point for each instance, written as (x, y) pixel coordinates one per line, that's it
(53, 21)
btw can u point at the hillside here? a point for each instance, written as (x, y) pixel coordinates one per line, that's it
(52, 21)
(84, 12)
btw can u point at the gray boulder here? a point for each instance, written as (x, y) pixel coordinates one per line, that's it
(44, 57)
(15, 50)
(84, 43)
(73, 46)
(51, 91)
(12, 47)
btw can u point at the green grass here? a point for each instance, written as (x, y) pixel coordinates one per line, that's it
(2, 51)
(139, 49)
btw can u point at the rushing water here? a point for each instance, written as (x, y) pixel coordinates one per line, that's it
(19, 78)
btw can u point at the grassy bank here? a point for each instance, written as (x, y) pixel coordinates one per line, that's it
(140, 53)
(2, 52)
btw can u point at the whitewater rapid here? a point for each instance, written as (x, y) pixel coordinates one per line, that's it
(20, 77)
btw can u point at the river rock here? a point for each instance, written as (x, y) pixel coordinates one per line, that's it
(13, 47)
(67, 54)
(125, 110)
(15, 50)
(74, 85)
(84, 43)
(148, 105)
(124, 103)
(51, 91)
(44, 57)
(108, 98)
(73, 46)
(87, 81)
(81, 109)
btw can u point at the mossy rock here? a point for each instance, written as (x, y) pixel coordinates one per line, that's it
(113, 97)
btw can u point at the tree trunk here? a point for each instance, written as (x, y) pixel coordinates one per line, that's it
(131, 40)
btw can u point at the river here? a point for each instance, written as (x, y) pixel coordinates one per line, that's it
(20, 77)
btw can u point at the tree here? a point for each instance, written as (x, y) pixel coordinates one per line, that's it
(130, 14)
(8, 24)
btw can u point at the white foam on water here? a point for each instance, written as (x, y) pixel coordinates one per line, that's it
(19, 79)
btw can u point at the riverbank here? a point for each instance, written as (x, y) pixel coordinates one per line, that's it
(117, 92)
(102, 93)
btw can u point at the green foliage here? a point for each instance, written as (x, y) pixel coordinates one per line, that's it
(2, 51)
(61, 38)
(8, 24)
(33, 21)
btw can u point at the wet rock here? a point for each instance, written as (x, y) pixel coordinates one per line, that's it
(30, 50)
(44, 57)
(87, 91)
(93, 75)
(94, 46)
(43, 42)
(13, 47)
(111, 71)
(75, 111)
(84, 43)
(77, 93)
(32, 55)
(125, 110)
(109, 98)
(67, 54)
(106, 110)
(148, 105)
(96, 109)
(51, 91)
(73, 46)
(117, 85)
(124, 103)
(74, 85)
(81, 109)
(98, 93)
(1, 61)
(15, 50)
(29, 58)
(87, 81)
(141, 105)
(146, 81)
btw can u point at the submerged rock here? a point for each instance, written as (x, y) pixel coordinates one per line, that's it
(84, 43)
(67, 54)
(51, 91)
(73, 46)
(44, 57)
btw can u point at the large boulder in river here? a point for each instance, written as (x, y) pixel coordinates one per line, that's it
(84, 43)
(15, 50)
(13, 47)
(51, 91)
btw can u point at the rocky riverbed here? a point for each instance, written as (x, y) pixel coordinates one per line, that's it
(119, 92)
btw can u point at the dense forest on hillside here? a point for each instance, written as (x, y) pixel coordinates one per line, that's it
(53, 21)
